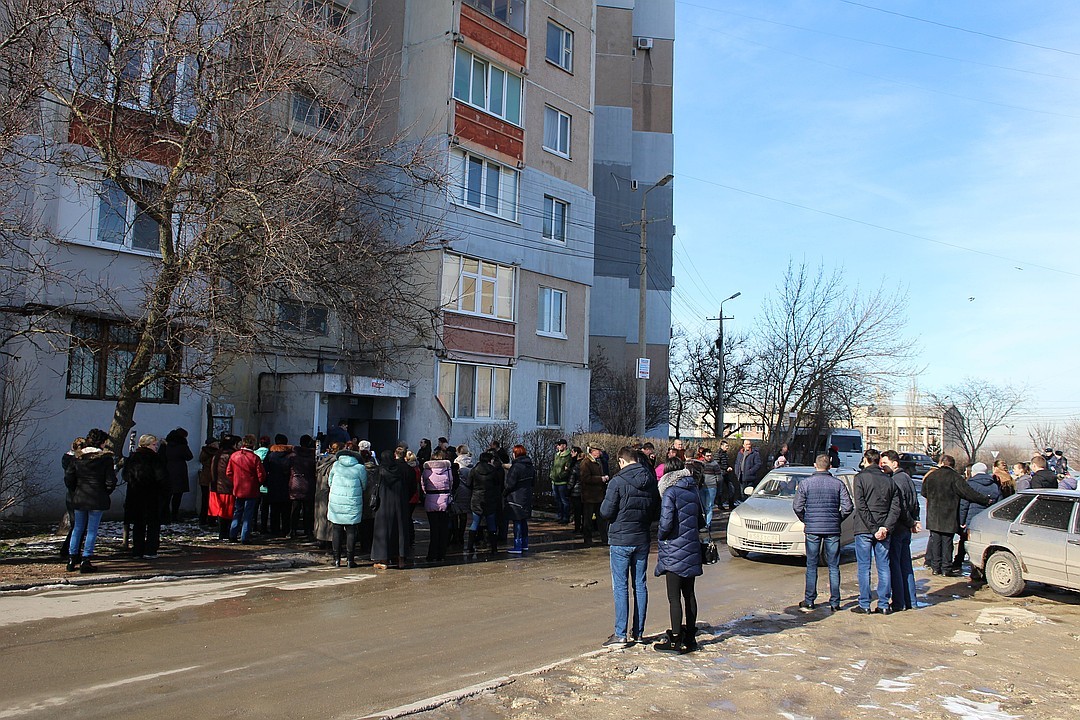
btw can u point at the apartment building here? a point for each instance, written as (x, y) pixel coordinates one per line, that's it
(635, 51)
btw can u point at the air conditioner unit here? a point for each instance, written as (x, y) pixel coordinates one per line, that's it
(644, 43)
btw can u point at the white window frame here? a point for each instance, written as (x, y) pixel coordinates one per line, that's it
(465, 90)
(471, 377)
(555, 228)
(562, 131)
(131, 217)
(551, 320)
(565, 53)
(545, 408)
(458, 275)
(327, 118)
(83, 75)
(463, 192)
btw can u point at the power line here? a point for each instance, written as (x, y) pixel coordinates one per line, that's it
(876, 226)
(959, 29)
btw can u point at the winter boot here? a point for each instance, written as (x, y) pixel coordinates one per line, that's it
(689, 642)
(352, 560)
(73, 563)
(493, 544)
(470, 545)
(86, 567)
(670, 642)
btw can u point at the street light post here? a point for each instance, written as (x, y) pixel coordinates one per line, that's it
(642, 288)
(718, 424)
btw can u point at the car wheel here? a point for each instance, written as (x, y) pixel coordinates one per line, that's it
(1003, 574)
(736, 552)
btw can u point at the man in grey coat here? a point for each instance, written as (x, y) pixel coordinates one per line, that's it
(822, 502)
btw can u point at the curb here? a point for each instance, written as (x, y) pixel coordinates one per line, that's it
(161, 576)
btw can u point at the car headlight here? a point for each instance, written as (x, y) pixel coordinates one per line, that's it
(735, 520)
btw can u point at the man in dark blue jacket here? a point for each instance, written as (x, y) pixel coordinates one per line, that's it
(822, 502)
(631, 504)
(877, 510)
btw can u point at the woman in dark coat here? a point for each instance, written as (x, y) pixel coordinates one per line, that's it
(679, 552)
(302, 488)
(276, 463)
(91, 478)
(177, 454)
(486, 482)
(520, 479)
(325, 532)
(148, 490)
(396, 480)
(222, 502)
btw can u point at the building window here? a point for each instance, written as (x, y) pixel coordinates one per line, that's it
(871, 431)
(100, 354)
(133, 73)
(331, 15)
(484, 185)
(121, 222)
(555, 212)
(309, 112)
(560, 46)
(478, 287)
(549, 398)
(510, 12)
(556, 131)
(487, 87)
(300, 318)
(902, 431)
(474, 392)
(551, 311)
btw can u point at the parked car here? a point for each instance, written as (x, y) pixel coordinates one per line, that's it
(766, 523)
(916, 463)
(1033, 535)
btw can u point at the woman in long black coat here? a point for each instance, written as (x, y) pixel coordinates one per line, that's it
(177, 454)
(390, 544)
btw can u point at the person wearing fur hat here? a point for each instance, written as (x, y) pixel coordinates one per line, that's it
(91, 478)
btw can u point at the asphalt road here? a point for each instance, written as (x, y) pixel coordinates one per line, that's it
(331, 643)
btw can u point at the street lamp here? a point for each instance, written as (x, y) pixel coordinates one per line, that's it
(643, 377)
(718, 425)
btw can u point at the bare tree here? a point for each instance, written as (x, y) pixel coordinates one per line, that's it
(819, 344)
(613, 398)
(1045, 435)
(23, 452)
(973, 408)
(695, 367)
(267, 185)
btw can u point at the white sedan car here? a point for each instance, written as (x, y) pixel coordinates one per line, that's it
(766, 523)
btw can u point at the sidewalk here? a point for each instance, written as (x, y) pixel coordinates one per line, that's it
(186, 551)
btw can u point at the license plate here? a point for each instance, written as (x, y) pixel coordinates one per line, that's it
(763, 537)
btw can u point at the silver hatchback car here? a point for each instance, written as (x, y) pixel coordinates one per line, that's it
(765, 522)
(1033, 535)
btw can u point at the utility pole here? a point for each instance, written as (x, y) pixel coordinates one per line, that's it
(642, 375)
(718, 423)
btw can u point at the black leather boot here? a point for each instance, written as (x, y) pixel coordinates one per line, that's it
(470, 545)
(73, 563)
(670, 642)
(689, 642)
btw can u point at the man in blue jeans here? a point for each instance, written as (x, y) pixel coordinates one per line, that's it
(903, 574)
(822, 502)
(631, 504)
(877, 510)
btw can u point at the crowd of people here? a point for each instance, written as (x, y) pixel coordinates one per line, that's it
(887, 512)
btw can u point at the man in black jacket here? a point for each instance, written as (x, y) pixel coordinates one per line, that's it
(1041, 477)
(943, 487)
(877, 510)
(631, 504)
(903, 574)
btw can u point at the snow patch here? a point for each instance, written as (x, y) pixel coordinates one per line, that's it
(975, 710)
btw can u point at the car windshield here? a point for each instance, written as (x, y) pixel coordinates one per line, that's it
(779, 485)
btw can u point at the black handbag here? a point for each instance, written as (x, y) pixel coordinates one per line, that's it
(709, 552)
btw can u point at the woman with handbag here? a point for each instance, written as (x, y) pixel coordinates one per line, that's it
(679, 553)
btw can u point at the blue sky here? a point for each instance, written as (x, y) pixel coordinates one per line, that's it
(948, 163)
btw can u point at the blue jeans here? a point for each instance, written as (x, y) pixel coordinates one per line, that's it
(562, 502)
(521, 534)
(629, 560)
(903, 574)
(867, 548)
(474, 523)
(708, 499)
(87, 520)
(243, 515)
(832, 556)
